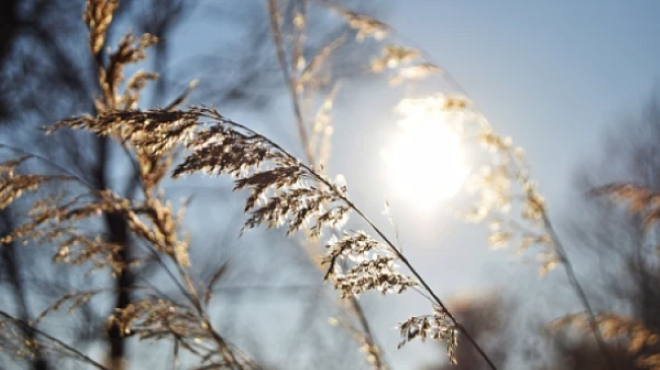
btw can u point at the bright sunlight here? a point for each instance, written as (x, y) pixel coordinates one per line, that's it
(425, 161)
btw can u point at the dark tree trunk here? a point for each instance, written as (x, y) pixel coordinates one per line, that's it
(9, 25)
(117, 228)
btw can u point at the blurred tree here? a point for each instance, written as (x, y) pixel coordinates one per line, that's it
(47, 73)
(507, 334)
(615, 241)
(41, 80)
(608, 233)
(12, 276)
(581, 353)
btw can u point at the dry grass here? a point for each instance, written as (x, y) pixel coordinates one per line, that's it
(284, 191)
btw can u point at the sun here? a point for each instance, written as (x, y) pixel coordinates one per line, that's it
(425, 161)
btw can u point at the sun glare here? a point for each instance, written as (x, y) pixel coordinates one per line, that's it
(425, 161)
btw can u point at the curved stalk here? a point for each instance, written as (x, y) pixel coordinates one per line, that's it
(340, 195)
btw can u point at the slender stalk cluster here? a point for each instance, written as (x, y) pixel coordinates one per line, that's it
(282, 192)
(372, 266)
(287, 193)
(67, 219)
(437, 326)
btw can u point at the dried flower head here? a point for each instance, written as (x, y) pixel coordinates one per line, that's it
(414, 73)
(393, 56)
(98, 16)
(436, 326)
(372, 266)
(366, 26)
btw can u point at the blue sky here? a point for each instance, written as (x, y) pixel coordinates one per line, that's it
(552, 74)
